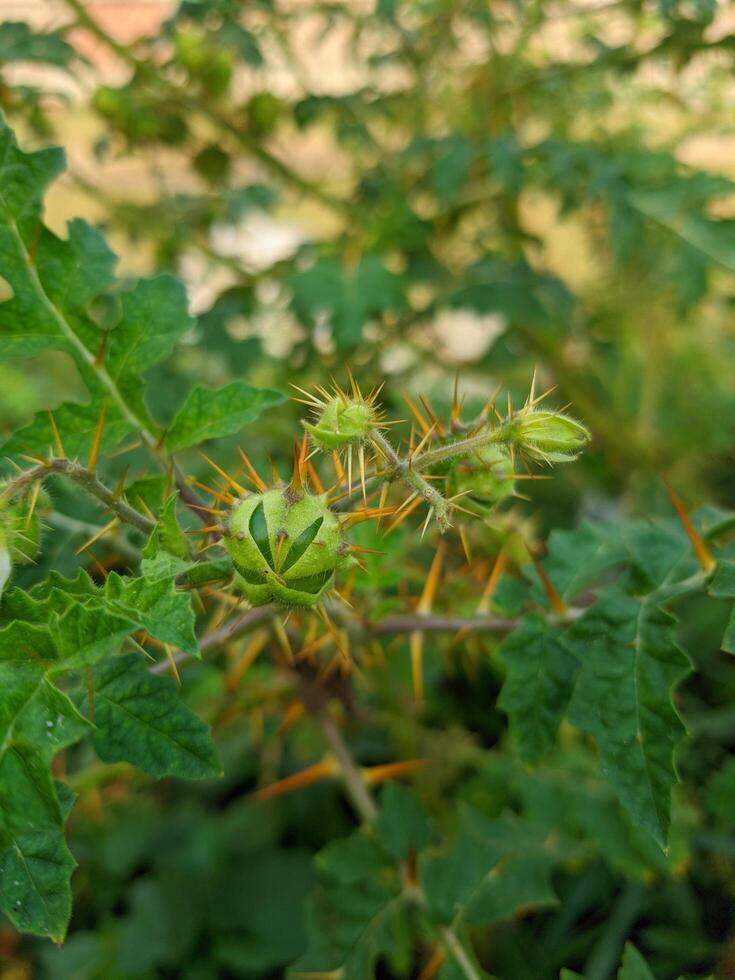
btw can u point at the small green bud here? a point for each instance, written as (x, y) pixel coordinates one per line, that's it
(342, 422)
(484, 479)
(286, 546)
(549, 437)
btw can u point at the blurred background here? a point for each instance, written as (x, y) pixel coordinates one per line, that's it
(418, 189)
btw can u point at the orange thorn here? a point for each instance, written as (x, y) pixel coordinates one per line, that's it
(367, 514)
(432, 417)
(705, 559)
(391, 770)
(274, 470)
(228, 479)
(95, 537)
(465, 544)
(433, 965)
(282, 637)
(32, 505)
(416, 648)
(58, 445)
(415, 412)
(426, 438)
(314, 477)
(101, 350)
(404, 514)
(557, 603)
(224, 498)
(294, 713)
(172, 660)
(299, 464)
(490, 403)
(432, 582)
(498, 568)
(207, 530)
(97, 441)
(312, 774)
(207, 510)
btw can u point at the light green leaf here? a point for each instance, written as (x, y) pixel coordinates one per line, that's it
(167, 535)
(634, 966)
(87, 634)
(154, 314)
(140, 718)
(157, 607)
(541, 673)
(630, 663)
(208, 414)
(77, 424)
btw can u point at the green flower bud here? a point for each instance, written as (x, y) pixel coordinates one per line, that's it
(342, 422)
(286, 546)
(549, 437)
(484, 478)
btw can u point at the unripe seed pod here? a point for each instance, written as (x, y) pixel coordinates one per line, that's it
(484, 479)
(286, 546)
(549, 436)
(342, 422)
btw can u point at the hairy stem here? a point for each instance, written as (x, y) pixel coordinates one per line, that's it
(86, 479)
(404, 469)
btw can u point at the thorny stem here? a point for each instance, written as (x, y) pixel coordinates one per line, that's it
(406, 470)
(86, 479)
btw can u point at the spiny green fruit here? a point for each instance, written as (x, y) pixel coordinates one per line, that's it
(484, 479)
(342, 422)
(286, 546)
(20, 535)
(549, 437)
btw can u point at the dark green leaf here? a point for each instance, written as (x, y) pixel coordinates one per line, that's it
(541, 672)
(141, 719)
(630, 663)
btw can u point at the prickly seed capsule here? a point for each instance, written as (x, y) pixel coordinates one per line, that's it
(286, 546)
(342, 422)
(549, 436)
(484, 479)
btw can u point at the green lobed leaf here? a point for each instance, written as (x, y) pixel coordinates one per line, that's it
(140, 718)
(211, 414)
(349, 297)
(157, 606)
(355, 912)
(402, 824)
(541, 671)
(167, 534)
(77, 423)
(36, 721)
(491, 868)
(723, 586)
(630, 663)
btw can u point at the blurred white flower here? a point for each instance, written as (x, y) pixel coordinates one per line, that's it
(464, 336)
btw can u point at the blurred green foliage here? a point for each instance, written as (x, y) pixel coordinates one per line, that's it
(413, 189)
